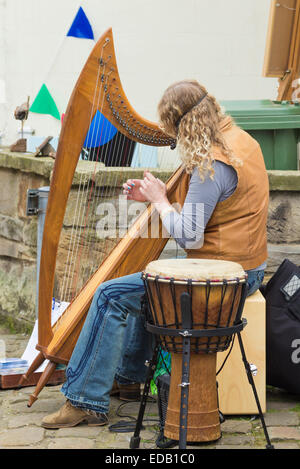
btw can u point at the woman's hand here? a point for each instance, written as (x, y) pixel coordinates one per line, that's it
(131, 189)
(149, 189)
(153, 189)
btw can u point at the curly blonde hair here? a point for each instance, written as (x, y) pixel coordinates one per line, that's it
(192, 116)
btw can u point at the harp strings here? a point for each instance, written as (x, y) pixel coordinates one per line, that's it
(86, 201)
(96, 193)
(84, 246)
(102, 193)
(99, 192)
(122, 148)
(86, 208)
(106, 193)
(78, 211)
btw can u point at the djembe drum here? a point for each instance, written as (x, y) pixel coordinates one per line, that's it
(195, 307)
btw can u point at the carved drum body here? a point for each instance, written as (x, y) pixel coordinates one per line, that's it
(215, 291)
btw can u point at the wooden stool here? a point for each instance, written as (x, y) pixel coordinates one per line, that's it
(235, 394)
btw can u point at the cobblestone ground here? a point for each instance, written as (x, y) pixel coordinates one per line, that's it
(20, 426)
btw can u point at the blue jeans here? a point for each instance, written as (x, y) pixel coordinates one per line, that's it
(114, 343)
(255, 279)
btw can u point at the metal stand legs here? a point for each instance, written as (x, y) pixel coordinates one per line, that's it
(251, 382)
(186, 334)
(135, 439)
(185, 376)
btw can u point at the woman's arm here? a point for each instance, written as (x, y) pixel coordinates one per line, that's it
(187, 227)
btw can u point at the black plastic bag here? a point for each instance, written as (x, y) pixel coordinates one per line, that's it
(282, 294)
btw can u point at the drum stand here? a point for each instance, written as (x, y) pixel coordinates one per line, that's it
(187, 333)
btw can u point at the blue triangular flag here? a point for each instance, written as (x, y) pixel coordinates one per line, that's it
(101, 131)
(81, 26)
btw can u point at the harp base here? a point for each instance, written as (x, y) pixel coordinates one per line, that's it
(39, 360)
(44, 379)
(32, 400)
(53, 358)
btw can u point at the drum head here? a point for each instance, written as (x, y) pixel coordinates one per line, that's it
(215, 290)
(198, 270)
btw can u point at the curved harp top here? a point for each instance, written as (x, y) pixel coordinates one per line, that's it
(99, 78)
(102, 67)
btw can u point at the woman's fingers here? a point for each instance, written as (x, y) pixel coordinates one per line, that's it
(162, 184)
(143, 192)
(131, 189)
(149, 176)
(128, 186)
(145, 184)
(147, 189)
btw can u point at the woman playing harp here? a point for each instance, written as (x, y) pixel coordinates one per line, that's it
(224, 197)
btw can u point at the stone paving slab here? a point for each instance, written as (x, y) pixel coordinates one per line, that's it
(19, 437)
(284, 433)
(20, 427)
(282, 419)
(71, 443)
(236, 426)
(286, 445)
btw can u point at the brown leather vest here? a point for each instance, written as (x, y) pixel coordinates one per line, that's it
(237, 229)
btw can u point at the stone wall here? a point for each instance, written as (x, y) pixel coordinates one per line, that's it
(18, 238)
(284, 218)
(18, 233)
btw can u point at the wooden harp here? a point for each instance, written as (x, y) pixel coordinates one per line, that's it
(98, 89)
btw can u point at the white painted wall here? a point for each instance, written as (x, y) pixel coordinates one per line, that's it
(221, 43)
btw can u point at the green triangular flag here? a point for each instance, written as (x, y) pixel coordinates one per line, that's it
(45, 104)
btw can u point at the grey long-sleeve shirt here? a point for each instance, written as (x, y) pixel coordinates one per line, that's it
(187, 227)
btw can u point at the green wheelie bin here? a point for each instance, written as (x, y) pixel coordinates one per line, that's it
(274, 124)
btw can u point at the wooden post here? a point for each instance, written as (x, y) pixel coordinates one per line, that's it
(286, 89)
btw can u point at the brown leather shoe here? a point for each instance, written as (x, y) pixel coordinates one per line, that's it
(70, 416)
(126, 392)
